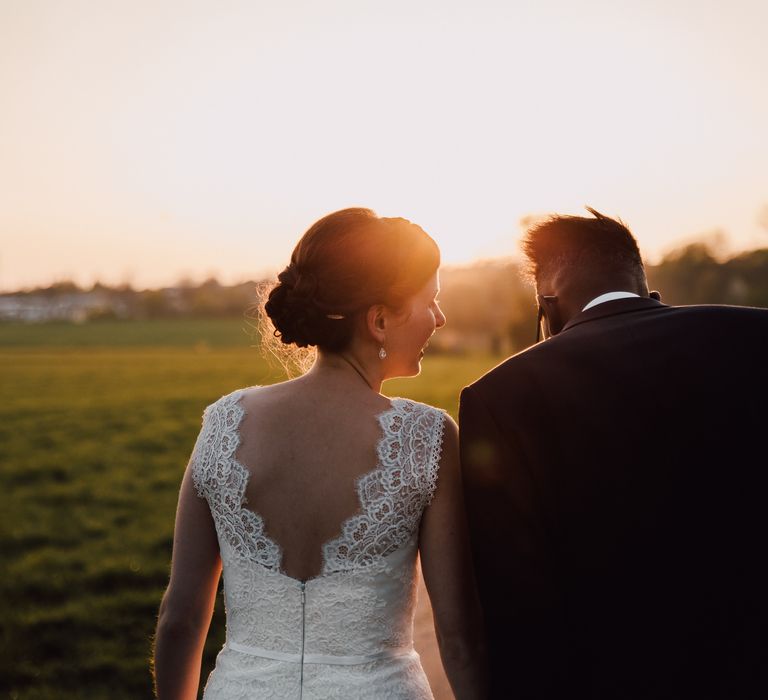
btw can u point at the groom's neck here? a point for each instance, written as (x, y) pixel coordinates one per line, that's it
(573, 293)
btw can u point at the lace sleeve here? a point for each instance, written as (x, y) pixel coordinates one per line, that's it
(435, 451)
(201, 462)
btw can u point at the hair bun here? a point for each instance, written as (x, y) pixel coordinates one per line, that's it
(293, 307)
(302, 285)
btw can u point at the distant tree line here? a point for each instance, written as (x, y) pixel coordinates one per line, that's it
(693, 275)
(490, 305)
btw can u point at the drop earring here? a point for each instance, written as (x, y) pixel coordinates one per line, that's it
(382, 353)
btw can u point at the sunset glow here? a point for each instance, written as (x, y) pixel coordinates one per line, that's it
(146, 141)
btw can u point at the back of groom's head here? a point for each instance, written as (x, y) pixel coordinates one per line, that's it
(588, 254)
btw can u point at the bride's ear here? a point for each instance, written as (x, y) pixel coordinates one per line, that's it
(376, 322)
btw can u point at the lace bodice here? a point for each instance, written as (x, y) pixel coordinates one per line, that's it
(335, 634)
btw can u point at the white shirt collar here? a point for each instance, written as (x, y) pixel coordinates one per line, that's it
(609, 296)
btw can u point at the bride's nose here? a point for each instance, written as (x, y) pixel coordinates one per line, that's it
(439, 318)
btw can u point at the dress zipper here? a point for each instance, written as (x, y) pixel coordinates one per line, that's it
(303, 624)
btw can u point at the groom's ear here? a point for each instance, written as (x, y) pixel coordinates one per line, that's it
(655, 295)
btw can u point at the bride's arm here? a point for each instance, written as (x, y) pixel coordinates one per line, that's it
(447, 568)
(187, 606)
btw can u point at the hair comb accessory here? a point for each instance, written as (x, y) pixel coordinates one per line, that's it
(335, 317)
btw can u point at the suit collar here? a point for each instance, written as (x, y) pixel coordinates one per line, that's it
(612, 308)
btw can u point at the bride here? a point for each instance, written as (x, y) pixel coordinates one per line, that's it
(317, 494)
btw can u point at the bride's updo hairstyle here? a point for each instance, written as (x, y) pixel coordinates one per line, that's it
(345, 263)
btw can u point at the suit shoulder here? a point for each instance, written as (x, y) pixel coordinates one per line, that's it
(724, 311)
(723, 318)
(510, 375)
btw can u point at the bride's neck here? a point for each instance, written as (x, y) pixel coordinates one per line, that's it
(347, 367)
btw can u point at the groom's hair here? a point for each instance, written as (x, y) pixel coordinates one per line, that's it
(587, 248)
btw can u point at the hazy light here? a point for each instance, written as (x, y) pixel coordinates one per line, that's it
(143, 141)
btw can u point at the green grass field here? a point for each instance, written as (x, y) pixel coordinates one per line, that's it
(96, 426)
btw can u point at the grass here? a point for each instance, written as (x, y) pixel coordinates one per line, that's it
(186, 333)
(96, 426)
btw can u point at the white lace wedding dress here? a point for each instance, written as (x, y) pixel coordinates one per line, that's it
(348, 632)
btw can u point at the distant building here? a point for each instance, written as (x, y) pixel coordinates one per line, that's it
(74, 306)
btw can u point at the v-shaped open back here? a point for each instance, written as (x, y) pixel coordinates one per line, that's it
(341, 533)
(391, 496)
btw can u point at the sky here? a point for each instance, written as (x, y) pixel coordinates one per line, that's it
(145, 141)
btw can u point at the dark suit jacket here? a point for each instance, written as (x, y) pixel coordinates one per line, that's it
(617, 491)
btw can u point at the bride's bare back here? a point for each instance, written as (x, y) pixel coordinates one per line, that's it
(304, 444)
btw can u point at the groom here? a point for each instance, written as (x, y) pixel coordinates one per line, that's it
(617, 486)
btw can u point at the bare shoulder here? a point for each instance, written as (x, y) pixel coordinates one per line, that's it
(308, 394)
(266, 392)
(449, 455)
(269, 395)
(450, 430)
